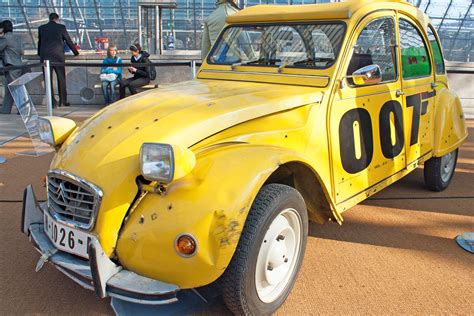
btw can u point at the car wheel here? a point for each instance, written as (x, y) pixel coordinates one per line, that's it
(269, 254)
(440, 170)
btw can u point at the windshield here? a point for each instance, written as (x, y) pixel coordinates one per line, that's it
(303, 45)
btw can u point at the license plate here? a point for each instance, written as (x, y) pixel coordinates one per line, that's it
(66, 238)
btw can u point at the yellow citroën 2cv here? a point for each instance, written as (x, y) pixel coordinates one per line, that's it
(297, 114)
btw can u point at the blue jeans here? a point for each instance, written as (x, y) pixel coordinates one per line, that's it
(108, 89)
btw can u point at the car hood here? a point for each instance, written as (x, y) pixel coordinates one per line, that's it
(183, 114)
(105, 149)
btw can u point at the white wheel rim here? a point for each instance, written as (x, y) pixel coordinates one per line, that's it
(278, 255)
(447, 166)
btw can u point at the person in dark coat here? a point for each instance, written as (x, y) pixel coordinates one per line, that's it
(10, 55)
(141, 74)
(51, 39)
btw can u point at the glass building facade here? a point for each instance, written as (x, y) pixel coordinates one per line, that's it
(117, 20)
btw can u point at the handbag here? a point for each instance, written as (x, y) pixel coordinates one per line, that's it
(108, 77)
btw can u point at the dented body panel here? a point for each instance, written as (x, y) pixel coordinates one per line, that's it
(146, 241)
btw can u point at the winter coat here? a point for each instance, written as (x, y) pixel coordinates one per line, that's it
(51, 38)
(110, 69)
(142, 71)
(214, 24)
(11, 52)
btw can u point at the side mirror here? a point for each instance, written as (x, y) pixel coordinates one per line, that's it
(54, 130)
(367, 75)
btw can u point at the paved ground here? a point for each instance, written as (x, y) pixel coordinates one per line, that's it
(395, 253)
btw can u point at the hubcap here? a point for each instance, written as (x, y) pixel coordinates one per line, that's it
(447, 166)
(278, 255)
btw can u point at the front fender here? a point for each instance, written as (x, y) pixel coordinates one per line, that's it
(450, 128)
(211, 204)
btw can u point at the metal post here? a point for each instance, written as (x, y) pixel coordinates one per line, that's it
(157, 30)
(27, 22)
(47, 85)
(193, 68)
(97, 13)
(140, 25)
(194, 23)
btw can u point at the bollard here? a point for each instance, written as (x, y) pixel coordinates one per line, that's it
(47, 85)
(193, 68)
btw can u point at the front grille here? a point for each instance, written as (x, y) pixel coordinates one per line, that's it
(73, 200)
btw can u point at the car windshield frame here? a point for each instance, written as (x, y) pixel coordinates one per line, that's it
(336, 49)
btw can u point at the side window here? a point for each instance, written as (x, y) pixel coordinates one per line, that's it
(437, 55)
(415, 58)
(376, 46)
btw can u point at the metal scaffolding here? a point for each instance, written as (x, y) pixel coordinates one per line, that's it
(118, 21)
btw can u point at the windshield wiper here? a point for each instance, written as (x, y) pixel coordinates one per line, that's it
(304, 61)
(234, 65)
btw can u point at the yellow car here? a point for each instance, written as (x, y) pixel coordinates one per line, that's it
(297, 114)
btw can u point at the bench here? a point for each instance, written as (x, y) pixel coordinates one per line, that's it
(148, 86)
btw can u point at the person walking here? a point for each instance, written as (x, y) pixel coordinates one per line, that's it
(110, 75)
(51, 39)
(141, 74)
(10, 55)
(214, 24)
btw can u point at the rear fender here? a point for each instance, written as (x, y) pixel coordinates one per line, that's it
(450, 129)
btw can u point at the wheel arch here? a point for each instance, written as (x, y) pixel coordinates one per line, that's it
(304, 179)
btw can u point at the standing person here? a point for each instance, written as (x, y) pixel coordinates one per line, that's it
(141, 74)
(51, 38)
(214, 24)
(10, 55)
(110, 75)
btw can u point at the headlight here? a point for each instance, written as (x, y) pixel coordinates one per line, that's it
(46, 131)
(164, 162)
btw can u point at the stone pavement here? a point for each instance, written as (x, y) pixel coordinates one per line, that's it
(394, 254)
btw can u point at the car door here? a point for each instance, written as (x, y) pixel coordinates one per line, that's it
(366, 121)
(418, 90)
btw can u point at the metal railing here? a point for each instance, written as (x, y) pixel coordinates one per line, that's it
(46, 65)
(451, 67)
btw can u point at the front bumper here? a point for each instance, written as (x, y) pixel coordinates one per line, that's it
(98, 273)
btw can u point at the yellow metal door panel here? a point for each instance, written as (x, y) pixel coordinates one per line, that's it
(366, 122)
(418, 101)
(367, 139)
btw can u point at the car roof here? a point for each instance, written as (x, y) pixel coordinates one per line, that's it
(323, 11)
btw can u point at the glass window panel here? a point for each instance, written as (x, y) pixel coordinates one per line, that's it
(437, 55)
(376, 46)
(294, 45)
(415, 58)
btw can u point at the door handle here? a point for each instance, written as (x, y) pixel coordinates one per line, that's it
(399, 93)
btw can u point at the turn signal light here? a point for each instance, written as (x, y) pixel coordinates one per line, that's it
(186, 245)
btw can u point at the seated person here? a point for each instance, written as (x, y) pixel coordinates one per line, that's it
(141, 74)
(109, 75)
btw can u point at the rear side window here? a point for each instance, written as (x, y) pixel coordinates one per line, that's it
(415, 58)
(437, 55)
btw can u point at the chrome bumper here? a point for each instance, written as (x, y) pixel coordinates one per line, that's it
(98, 273)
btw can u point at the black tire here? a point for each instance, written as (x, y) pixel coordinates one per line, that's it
(436, 178)
(238, 282)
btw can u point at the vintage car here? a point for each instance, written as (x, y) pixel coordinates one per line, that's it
(297, 114)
